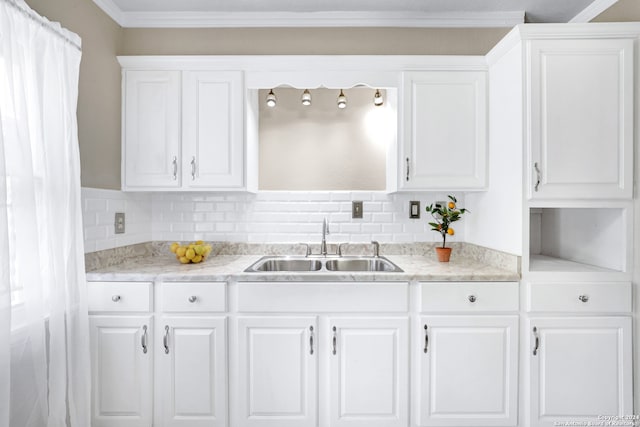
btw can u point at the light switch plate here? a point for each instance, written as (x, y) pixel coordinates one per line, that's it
(414, 209)
(356, 209)
(119, 223)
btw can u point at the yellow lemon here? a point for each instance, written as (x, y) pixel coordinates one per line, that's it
(199, 249)
(196, 259)
(190, 253)
(181, 251)
(199, 242)
(452, 205)
(184, 260)
(174, 247)
(450, 232)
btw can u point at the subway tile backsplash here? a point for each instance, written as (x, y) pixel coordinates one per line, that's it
(266, 217)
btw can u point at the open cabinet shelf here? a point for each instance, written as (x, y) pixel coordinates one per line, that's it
(579, 240)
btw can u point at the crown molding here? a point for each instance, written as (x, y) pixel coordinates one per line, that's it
(593, 10)
(309, 19)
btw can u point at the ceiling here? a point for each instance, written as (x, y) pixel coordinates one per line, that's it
(348, 13)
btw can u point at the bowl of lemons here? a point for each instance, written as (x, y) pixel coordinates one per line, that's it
(192, 253)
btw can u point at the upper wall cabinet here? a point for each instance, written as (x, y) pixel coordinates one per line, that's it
(183, 130)
(151, 130)
(445, 131)
(581, 118)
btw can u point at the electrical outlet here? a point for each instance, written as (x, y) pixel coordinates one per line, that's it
(119, 223)
(414, 209)
(356, 209)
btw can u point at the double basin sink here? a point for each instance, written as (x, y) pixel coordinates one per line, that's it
(309, 264)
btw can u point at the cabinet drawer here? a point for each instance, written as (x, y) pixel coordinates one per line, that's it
(194, 297)
(304, 297)
(469, 296)
(579, 297)
(119, 296)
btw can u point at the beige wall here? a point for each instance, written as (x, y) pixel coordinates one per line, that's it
(310, 41)
(99, 95)
(99, 91)
(622, 11)
(321, 147)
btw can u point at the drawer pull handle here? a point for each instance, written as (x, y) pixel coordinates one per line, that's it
(426, 339)
(165, 340)
(143, 340)
(335, 339)
(584, 298)
(175, 167)
(116, 298)
(537, 344)
(472, 298)
(193, 298)
(408, 169)
(311, 340)
(193, 168)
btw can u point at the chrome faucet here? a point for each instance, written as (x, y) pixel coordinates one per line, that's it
(325, 231)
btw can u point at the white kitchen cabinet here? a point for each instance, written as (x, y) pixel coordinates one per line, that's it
(191, 379)
(151, 156)
(122, 371)
(580, 368)
(183, 130)
(212, 133)
(468, 370)
(369, 375)
(277, 372)
(581, 118)
(445, 131)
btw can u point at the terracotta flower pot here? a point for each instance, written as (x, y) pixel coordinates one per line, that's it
(443, 254)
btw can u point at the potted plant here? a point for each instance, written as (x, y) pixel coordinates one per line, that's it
(444, 216)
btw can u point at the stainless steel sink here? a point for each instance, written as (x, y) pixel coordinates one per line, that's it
(285, 264)
(302, 264)
(362, 264)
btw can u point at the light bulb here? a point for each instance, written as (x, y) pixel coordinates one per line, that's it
(306, 97)
(342, 100)
(377, 98)
(271, 99)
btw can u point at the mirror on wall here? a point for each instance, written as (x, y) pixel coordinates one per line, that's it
(318, 146)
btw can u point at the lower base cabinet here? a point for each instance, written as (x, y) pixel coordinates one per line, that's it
(122, 371)
(280, 357)
(580, 370)
(468, 370)
(191, 374)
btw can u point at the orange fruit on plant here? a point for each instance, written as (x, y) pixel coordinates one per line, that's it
(452, 205)
(450, 232)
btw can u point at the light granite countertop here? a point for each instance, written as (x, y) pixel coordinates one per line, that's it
(157, 265)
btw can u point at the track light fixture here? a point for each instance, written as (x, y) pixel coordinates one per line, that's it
(306, 98)
(377, 98)
(342, 100)
(271, 99)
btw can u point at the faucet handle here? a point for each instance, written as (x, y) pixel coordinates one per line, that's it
(340, 248)
(308, 249)
(376, 248)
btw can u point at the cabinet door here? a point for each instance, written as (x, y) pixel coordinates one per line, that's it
(580, 368)
(468, 370)
(122, 392)
(213, 136)
(151, 144)
(581, 118)
(369, 378)
(192, 376)
(445, 130)
(277, 373)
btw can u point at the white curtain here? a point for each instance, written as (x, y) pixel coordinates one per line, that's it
(45, 372)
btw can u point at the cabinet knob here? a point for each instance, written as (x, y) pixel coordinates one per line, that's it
(584, 298)
(116, 298)
(472, 298)
(193, 298)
